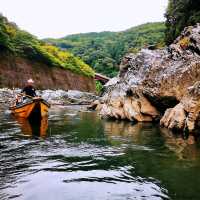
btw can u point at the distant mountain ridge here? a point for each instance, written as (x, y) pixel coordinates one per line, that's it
(104, 50)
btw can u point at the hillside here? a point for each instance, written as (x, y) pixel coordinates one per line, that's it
(23, 56)
(21, 43)
(103, 51)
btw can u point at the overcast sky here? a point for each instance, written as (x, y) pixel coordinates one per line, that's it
(57, 18)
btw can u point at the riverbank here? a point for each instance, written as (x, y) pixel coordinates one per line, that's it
(56, 97)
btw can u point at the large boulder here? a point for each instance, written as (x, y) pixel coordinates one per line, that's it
(158, 84)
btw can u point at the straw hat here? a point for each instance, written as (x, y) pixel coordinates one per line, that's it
(30, 80)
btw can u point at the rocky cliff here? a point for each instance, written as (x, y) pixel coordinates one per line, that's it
(158, 85)
(14, 71)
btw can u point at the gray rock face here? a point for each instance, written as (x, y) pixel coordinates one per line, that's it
(7, 95)
(156, 83)
(52, 96)
(68, 97)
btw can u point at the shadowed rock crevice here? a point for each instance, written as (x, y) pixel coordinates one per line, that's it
(158, 84)
(162, 103)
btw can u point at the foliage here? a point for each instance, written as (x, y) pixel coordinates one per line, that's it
(99, 87)
(103, 51)
(180, 13)
(184, 42)
(22, 43)
(5, 34)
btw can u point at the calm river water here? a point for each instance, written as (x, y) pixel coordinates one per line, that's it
(77, 156)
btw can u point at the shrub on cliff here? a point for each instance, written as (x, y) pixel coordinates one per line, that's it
(180, 13)
(99, 87)
(22, 43)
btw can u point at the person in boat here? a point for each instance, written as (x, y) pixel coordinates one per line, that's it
(29, 89)
(18, 99)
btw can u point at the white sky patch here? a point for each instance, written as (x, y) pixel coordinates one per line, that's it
(58, 18)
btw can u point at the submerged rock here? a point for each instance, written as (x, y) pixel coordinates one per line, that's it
(158, 84)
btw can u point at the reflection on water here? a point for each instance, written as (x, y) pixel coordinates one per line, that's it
(185, 148)
(134, 132)
(34, 127)
(76, 155)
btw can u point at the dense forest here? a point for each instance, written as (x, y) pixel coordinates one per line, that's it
(21, 43)
(103, 51)
(181, 13)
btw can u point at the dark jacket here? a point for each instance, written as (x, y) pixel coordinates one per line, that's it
(29, 90)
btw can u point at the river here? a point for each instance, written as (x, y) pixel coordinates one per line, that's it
(76, 155)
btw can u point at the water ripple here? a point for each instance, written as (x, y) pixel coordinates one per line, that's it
(81, 156)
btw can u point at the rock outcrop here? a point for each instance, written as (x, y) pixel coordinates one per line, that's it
(158, 85)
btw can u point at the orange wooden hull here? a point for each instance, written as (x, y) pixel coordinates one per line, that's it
(38, 107)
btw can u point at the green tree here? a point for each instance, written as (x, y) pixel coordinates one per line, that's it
(104, 51)
(99, 87)
(180, 13)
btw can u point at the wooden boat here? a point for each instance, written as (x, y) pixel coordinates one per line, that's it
(35, 107)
